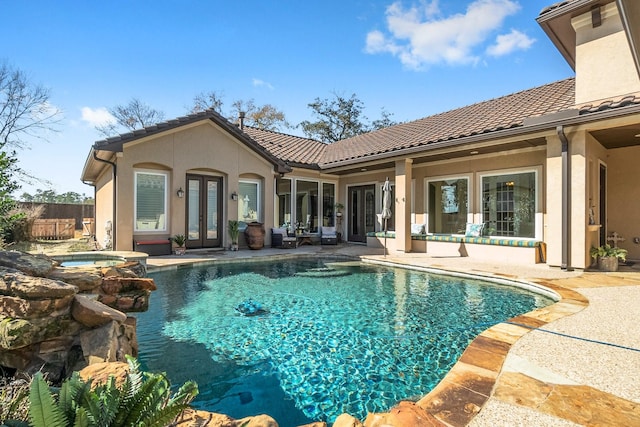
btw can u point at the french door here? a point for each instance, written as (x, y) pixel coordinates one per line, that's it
(204, 211)
(362, 212)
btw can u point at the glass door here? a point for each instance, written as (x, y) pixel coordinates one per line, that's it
(204, 209)
(362, 212)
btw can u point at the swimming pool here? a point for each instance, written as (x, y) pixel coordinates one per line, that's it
(332, 337)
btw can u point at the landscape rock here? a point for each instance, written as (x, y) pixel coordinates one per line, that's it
(87, 279)
(92, 313)
(126, 269)
(120, 285)
(195, 418)
(18, 333)
(346, 420)
(33, 265)
(29, 309)
(49, 324)
(16, 283)
(100, 344)
(404, 414)
(99, 373)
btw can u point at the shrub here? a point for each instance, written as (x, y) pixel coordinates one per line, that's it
(145, 399)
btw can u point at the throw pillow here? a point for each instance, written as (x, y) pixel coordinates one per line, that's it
(474, 230)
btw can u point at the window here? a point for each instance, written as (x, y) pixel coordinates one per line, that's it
(509, 204)
(328, 203)
(283, 191)
(448, 205)
(307, 206)
(248, 202)
(150, 201)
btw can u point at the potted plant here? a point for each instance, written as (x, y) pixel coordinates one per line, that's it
(608, 257)
(179, 240)
(234, 232)
(339, 206)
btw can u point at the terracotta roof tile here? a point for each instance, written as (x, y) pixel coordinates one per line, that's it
(501, 113)
(291, 149)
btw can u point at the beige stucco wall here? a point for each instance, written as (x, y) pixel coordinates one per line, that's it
(202, 148)
(104, 209)
(473, 167)
(624, 196)
(604, 64)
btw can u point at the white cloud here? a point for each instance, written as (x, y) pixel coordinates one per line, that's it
(419, 36)
(262, 83)
(507, 43)
(97, 116)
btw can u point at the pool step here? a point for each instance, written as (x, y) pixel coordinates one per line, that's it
(323, 272)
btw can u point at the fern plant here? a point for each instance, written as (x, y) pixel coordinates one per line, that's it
(145, 399)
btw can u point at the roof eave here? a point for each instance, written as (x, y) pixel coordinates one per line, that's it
(630, 16)
(555, 21)
(563, 118)
(116, 144)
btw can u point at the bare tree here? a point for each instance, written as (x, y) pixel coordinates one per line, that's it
(134, 115)
(25, 111)
(266, 117)
(207, 101)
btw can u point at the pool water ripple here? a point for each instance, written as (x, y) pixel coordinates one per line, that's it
(356, 342)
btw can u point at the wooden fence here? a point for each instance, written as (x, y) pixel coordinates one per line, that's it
(54, 229)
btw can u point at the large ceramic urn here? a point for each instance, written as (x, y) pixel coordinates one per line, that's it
(254, 235)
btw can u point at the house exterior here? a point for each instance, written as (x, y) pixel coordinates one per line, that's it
(552, 169)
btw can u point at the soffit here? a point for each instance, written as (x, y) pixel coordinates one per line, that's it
(619, 137)
(630, 13)
(555, 20)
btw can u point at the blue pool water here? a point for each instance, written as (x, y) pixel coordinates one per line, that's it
(333, 338)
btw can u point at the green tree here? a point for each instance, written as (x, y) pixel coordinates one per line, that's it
(50, 196)
(339, 118)
(384, 121)
(134, 115)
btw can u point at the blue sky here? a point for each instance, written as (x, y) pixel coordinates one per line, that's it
(412, 58)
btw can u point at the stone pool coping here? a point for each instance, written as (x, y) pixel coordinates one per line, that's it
(102, 255)
(481, 380)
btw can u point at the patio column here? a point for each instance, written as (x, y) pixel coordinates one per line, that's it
(403, 205)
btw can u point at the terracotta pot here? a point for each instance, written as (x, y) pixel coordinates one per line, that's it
(254, 234)
(608, 263)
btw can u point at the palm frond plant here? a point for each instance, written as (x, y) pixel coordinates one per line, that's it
(145, 399)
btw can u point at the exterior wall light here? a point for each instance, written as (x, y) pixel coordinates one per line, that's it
(234, 196)
(180, 193)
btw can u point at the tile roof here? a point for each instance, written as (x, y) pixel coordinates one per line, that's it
(293, 150)
(489, 116)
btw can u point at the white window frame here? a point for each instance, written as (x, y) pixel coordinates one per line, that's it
(538, 215)
(164, 228)
(428, 180)
(259, 205)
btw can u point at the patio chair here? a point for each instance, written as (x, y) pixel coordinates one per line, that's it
(277, 235)
(328, 236)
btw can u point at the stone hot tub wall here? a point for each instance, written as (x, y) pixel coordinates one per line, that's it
(60, 319)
